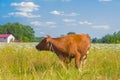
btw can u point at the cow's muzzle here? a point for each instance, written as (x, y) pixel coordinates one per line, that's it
(37, 47)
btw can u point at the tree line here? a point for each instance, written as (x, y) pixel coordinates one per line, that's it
(26, 33)
(20, 31)
(109, 38)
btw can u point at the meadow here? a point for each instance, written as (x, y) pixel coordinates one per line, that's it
(21, 61)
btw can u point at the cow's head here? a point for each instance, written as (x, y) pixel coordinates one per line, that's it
(44, 44)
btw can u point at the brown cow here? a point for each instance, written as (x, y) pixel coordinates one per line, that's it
(67, 47)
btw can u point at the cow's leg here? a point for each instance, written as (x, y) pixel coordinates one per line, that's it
(62, 63)
(68, 62)
(82, 60)
(77, 61)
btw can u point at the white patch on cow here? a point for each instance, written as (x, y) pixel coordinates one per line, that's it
(88, 49)
(87, 52)
(84, 56)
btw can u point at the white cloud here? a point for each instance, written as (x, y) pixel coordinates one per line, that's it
(42, 33)
(62, 13)
(68, 20)
(24, 4)
(50, 24)
(44, 24)
(55, 12)
(72, 14)
(106, 27)
(92, 25)
(104, 0)
(23, 14)
(25, 9)
(85, 22)
(36, 23)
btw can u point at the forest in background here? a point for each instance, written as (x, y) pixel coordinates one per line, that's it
(27, 34)
(109, 38)
(20, 31)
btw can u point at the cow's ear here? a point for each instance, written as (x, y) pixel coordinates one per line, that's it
(48, 38)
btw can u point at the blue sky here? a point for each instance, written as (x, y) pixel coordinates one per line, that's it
(58, 17)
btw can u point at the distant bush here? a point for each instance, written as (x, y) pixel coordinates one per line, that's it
(113, 38)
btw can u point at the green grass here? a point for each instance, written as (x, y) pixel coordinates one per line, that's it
(23, 62)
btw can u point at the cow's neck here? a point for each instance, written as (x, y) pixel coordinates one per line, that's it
(57, 44)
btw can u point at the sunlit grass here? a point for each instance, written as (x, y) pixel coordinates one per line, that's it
(23, 62)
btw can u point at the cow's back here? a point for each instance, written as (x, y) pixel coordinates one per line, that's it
(77, 39)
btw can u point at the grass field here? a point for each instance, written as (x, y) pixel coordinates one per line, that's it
(21, 61)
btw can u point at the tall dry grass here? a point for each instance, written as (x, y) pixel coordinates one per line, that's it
(23, 62)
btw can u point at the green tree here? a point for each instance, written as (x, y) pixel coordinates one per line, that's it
(94, 40)
(113, 38)
(20, 31)
(71, 33)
